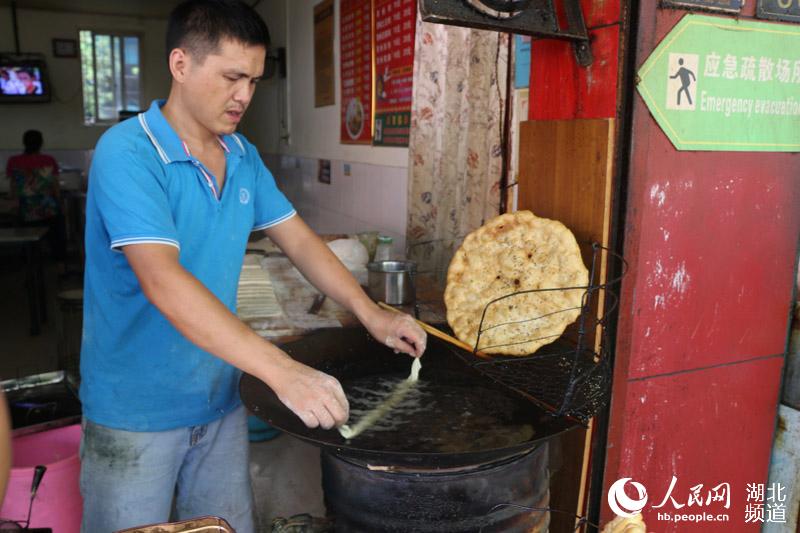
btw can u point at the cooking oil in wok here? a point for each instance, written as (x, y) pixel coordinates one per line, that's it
(444, 415)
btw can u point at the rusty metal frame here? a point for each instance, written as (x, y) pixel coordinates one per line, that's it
(539, 19)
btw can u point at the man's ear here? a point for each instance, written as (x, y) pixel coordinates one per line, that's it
(179, 62)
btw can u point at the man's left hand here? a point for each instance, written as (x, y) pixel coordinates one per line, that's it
(398, 331)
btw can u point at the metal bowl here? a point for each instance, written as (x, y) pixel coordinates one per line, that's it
(392, 281)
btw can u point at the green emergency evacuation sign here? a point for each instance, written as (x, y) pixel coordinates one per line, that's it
(723, 84)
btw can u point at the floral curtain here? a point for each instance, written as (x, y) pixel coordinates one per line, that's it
(455, 149)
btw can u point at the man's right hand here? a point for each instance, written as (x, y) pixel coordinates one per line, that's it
(315, 397)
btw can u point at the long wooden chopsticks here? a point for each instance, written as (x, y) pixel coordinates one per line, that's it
(438, 333)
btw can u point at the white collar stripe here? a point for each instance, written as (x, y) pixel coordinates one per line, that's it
(160, 150)
(222, 143)
(239, 142)
(219, 139)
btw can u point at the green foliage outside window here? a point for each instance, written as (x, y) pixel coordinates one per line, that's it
(110, 69)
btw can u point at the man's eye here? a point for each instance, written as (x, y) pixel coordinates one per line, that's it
(231, 78)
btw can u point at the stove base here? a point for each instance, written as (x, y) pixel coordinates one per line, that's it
(364, 500)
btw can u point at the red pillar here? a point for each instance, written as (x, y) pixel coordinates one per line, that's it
(560, 89)
(711, 240)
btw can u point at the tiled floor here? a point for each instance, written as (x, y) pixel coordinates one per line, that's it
(286, 480)
(285, 472)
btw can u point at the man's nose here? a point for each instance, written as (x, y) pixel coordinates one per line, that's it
(244, 93)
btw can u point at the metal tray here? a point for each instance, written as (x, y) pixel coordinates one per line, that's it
(41, 402)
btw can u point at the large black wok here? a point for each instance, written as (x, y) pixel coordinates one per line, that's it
(457, 417)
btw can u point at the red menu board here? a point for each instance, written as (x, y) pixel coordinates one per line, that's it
(355, 29)
(395, 27)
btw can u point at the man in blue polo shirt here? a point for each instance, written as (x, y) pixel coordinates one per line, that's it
(173, 196)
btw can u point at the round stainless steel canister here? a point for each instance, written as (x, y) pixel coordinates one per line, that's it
(392, 281)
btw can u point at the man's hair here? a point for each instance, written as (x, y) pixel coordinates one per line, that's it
(32, 140)
(198, 26)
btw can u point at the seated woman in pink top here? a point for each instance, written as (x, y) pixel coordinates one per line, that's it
(34, 186)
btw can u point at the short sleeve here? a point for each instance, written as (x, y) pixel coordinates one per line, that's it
(271, 205)
(131, 199)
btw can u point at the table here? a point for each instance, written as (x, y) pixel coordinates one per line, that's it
(297, 298)
(30, 239)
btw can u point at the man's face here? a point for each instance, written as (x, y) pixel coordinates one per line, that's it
(25, 78)
(219, 89)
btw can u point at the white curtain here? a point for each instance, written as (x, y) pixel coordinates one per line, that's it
(455, 149)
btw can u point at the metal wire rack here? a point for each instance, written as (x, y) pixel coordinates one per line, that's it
(572, 375)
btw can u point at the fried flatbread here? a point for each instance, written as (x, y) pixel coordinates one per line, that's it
(511, 253)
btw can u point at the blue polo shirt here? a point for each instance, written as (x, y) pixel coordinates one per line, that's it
(138, 372)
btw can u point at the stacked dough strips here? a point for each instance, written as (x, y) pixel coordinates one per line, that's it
(255, 297)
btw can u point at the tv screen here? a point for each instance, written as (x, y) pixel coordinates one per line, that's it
(24, 81)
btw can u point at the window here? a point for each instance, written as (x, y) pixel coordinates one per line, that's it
(110, 69)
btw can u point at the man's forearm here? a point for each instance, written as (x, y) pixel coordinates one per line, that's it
(321, 266)
(200, 317)
(315, 397)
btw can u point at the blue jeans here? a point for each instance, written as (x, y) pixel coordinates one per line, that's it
(129, 478)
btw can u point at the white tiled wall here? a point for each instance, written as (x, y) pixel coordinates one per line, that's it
(372, 197)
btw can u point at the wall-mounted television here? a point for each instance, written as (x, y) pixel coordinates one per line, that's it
(23, 80)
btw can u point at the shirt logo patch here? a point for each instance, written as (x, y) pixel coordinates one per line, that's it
(244, 196)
